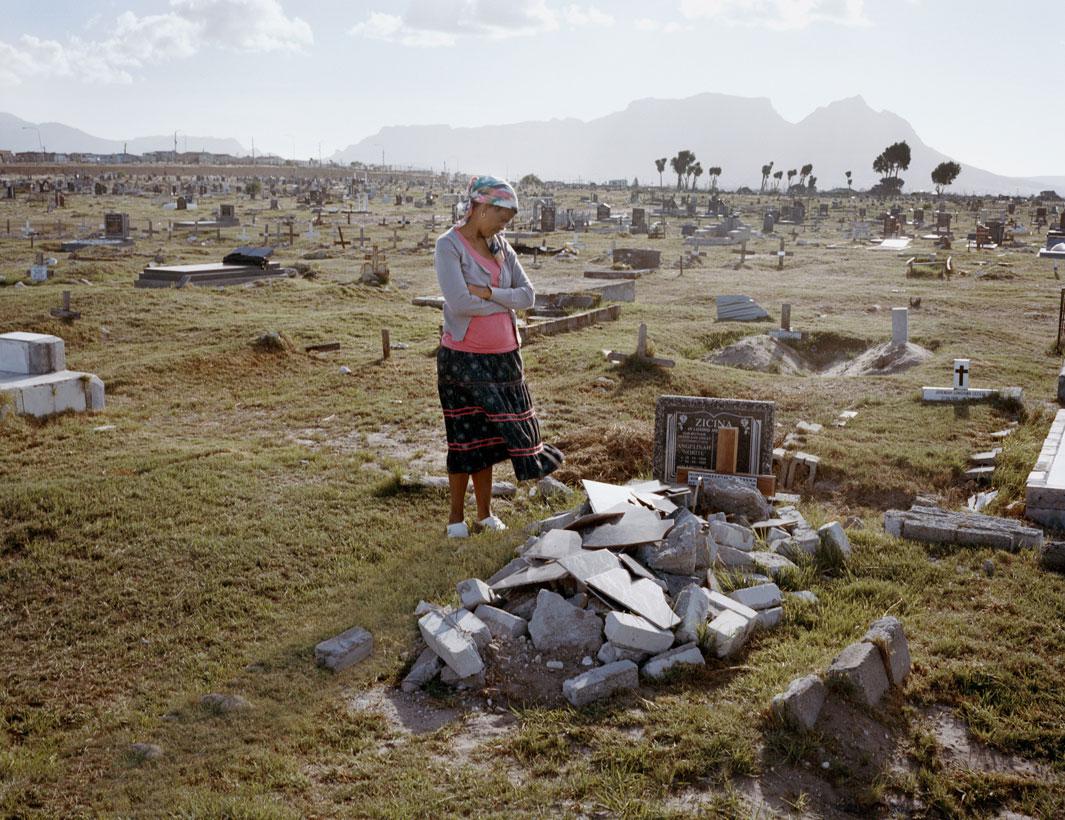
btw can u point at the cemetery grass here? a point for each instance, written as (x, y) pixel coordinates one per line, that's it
(248, 504)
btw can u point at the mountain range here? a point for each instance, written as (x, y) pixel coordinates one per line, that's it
(739, 134)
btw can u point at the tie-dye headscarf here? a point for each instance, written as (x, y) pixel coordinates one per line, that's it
(487, 190)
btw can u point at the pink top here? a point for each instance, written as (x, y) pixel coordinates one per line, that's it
(487, 334)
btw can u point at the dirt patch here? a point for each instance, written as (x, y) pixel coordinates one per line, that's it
(961, 750)
(517, 673)
(421, 452)
(413, 714)
(768, 355)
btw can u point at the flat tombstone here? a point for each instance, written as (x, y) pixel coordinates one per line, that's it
(116, 226)
(686, 434)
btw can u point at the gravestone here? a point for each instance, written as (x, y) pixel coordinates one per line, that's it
(116, 226)
(961, 391)
(900, 326)
(639, 220)
(227, 214)
(547, 218)
(639, 258)
(182, 204)
(686, 437)
(602, 212)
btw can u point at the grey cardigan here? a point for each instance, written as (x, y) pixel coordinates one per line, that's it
(456, 268)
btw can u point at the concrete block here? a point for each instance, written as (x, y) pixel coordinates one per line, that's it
(729, 632)
(800, 704)
(473, 592)
(501, 623)
(629, 631)
(602, 682)
(888, 636)
(805, 596)
(685, 655)
(732, 535)
(678, 553)
(425, 668)
(52, 393)
(770, 562)
(472, 625)
(454, 646)
(833, 536)
(344, 650)
(31, 354)
(693, 608)
(608, 653)
(763, 596)
(770, 618)
(732, 558)
(557, 625)
(722, 603)
(860, 670)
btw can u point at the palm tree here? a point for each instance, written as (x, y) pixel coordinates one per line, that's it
(791, 175)
(812, 183)
(714, 173)
(847, 174)
(804, 172)
(696, 171)
(777, 176)
(766, 171)
(681, 163)
(660, 164)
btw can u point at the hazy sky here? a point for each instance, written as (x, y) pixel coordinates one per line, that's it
(981, 81)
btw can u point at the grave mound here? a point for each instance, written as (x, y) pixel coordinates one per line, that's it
(845, 357)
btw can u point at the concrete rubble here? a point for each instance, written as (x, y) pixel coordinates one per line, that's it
(863, 672)
(621, 587)
(938, 526)
(344, 650)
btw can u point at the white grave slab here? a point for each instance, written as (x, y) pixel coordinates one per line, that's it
(961, 391)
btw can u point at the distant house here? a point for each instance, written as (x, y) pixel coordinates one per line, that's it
(6, 156)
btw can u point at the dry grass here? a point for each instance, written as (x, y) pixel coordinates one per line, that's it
(236, 515)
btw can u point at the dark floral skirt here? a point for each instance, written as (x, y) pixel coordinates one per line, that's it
(489, 415)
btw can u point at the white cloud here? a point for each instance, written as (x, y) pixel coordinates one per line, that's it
(670, 27)
(777, 14)
(134, 42)
(443, 22)
(587, 16)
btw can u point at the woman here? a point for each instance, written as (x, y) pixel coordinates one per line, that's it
(488, 412)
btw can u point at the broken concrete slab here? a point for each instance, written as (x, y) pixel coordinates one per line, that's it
(513, 566)
(344, 650)
(425, 668)
(686, 655)
(635, 567)
(762, 596)
(889, 637)
(637, 526)
(586, 563)
(31, 354)
(679, 552)
(531, 575)
(471, 625)
(554, 544)
(500, 623)
(558, 626)
(641, 596)
(629, 631)
(596, 684)
(938, 526)
(739, 308)
(800, 704)
(859, 670)
(602, 496)
(473, 592)
(452, 645)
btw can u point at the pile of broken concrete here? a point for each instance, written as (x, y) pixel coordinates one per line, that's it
(620, 588)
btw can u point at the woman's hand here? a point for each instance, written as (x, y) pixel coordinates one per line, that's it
(483, 291)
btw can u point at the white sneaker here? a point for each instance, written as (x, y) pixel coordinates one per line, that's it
(492, 523)
(459, 530)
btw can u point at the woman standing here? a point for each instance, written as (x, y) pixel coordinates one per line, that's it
(488, 412)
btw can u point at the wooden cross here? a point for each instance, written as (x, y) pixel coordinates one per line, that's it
(64, 312)
(342, 241)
